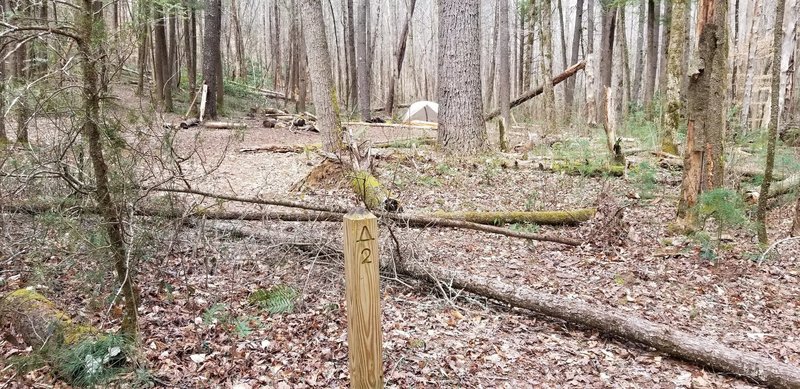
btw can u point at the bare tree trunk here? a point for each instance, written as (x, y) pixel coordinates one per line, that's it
(564, 60)
(577, 34)
(609, 20)
(640, 54)
(703, 158)
(189, 43)
(350, 44)
(302, 66)
(3, 135)
(652, 55)
(143, 23)
(276, 47)
(324, 90)
(89, 48)
(673, 114)
(211, 54)
(504, 77)
(399, 55)
(363, 61)
(489, 85)
(239, 39)
(461, 125)
(777, 43)
(22, 75)
(666, 24)
(546, 35)
(163, 64)
(750, 62)
(527, 65)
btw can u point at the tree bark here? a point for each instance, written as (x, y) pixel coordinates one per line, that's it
(577, 35)
(190, 47)
(504, 76)
(652, 55)
(640, 54)
(609, 20)
(461, 125)
(239, 39)
(325, 97)
(673, 114)
(703, 158)
(363, 61)
(350, 48)
(772, 137)
(162, 61)
(174, 79)
(211, 54)
(3, 135)
(546, 42)
(143, 24)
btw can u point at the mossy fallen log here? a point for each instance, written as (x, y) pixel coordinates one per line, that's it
(40, 324)
(79, 354)
(588, 169)
(568, 217)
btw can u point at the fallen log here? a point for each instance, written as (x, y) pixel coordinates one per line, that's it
(569, 72)
(777, 188)
(431, 126)
(664, 338)
(511, 217)
(223, 125)
(587, 169)
(192, 122)
(406, 143)
(280, 149)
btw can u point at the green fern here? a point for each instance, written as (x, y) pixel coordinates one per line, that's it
(279, 299)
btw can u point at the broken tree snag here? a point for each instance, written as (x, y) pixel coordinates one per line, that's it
(538, 90)
(540, 217)
(664, 338)
(223, 125)
(39, 323)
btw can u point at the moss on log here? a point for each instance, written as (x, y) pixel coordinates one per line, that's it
(368, 189)
(40, 324)
(589, 169)
(542, 217)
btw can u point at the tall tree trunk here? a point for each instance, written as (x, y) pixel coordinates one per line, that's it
(399, 55)
(162, 62)
(189, 43)
(609, 20)
(752, 56)
(777, 48)
(624, 79)
(211, 54)
(363, 61)
(461, 125)
(319, 63)
(302, 69)
(640, 54)
(666, 23)
(239, 39)
(504, 76)
(143, 24)
(276, 46)
(174, 59)
(577, 34)
(703, 158)
(489, 85)
(652, 55)
(546, 35)
(520, 79)
(673, 114)
(89, 47)
(350, 44)
(563, 36)
(530, 32)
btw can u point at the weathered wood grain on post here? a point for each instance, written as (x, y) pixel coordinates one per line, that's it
(364, 335)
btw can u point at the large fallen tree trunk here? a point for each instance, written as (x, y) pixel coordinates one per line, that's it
(538, 90)
(511, 217)
(664, 338)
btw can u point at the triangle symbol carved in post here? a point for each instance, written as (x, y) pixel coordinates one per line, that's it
(365, 235)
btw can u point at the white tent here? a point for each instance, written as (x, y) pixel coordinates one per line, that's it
(426, 111)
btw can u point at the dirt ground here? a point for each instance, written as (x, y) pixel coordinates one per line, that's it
(196, 278)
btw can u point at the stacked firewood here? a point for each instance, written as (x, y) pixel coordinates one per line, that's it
(278, 118)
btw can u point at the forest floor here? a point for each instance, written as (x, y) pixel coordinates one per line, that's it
(197, 328)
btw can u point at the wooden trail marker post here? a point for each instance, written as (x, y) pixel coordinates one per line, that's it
(362, 292)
